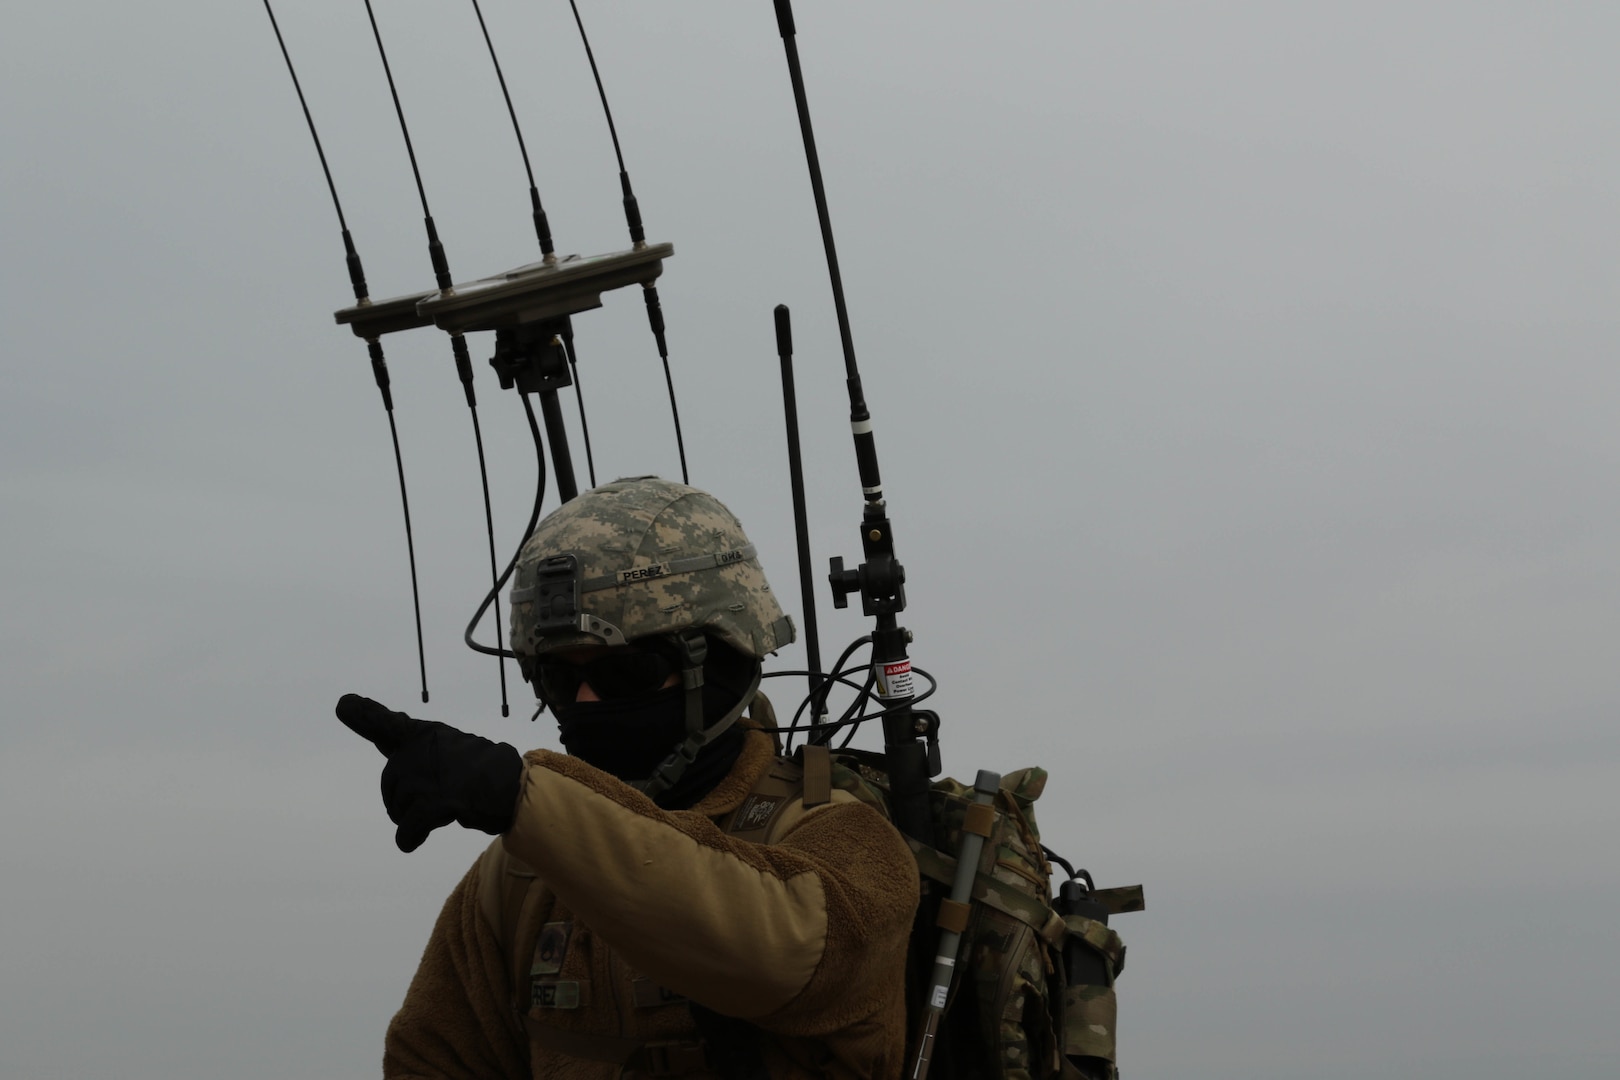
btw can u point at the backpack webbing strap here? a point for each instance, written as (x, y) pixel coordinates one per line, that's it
(953, 916)
(1120, 900)
(817, 775)
(979, 819)
(937, 866)
(1100, 937)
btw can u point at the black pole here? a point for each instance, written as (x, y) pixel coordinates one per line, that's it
(801, 522)
(562, 463)
(534, 358)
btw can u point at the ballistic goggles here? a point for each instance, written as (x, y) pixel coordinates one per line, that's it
(620, 673)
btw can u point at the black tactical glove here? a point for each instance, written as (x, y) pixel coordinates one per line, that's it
(436, 774)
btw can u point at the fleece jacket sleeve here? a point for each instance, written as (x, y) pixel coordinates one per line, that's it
(805, 936)
(457, 1022)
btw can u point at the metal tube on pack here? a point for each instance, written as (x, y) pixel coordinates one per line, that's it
(985, 786)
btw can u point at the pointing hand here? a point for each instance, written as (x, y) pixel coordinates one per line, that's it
(436, 774)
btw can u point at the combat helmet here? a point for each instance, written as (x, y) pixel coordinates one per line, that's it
(644, 557)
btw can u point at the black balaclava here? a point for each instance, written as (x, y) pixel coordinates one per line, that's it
(630, 738)
(627, 738)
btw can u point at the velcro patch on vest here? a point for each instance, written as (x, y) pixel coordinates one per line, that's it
(551, 947)
(559, 994)
(649, 995)
(755, 812)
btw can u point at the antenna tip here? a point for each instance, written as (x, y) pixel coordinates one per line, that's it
(424, 697)
(784, 332)
(506, 710)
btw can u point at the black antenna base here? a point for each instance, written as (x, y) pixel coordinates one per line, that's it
(531, 357)
(881, 579)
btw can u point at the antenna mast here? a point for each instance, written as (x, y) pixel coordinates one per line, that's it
(910, 746)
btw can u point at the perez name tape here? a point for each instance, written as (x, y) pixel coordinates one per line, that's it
(893, 678)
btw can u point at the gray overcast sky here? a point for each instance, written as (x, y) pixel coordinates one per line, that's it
(1244, 377)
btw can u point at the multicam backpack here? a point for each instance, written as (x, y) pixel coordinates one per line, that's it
(1035, 993)
(1035, 997)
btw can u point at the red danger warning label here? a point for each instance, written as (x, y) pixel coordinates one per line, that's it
(893, 679)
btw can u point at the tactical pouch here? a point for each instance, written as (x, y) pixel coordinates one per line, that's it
(1089, 1009)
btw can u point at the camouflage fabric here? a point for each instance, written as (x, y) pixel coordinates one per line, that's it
(1028, 1024)
(653, 557)
(1089, 1015)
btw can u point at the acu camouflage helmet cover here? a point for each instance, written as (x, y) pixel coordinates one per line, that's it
(637, 558)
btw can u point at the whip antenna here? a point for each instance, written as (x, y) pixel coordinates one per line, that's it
(638, 240)
(458, 343)
(910, 746)
(379, 366)
(910, 734)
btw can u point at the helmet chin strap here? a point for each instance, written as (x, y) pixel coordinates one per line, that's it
(694, 650)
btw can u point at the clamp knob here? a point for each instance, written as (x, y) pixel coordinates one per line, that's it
(843, 581)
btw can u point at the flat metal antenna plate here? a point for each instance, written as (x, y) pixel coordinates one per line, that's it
(542, 291)
(378, 317)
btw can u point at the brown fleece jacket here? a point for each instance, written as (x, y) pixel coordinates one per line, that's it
(618, 909)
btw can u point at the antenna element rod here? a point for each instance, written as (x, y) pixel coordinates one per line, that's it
(542, 227)
(379, 366)
(638, 240)
(442, 278)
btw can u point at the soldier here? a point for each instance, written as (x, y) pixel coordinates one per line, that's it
(669, 898)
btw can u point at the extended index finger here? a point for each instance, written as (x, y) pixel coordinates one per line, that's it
(374, 721)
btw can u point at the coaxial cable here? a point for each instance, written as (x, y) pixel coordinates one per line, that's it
(458, 343)
(534, 518)
(379, 366)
